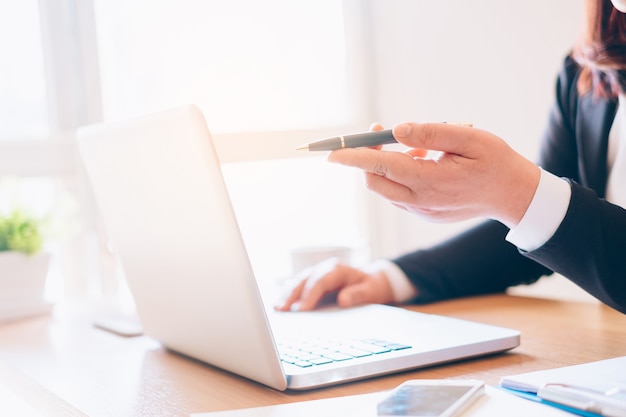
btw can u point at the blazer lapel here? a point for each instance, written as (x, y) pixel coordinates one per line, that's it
(596, 116)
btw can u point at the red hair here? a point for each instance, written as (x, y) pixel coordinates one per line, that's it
(601, 50)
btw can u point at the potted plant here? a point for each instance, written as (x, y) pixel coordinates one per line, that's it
(23, 265)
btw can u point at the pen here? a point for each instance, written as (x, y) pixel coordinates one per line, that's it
(598, 402)
(358, 140)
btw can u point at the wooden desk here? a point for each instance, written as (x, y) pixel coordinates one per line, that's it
(63, 366)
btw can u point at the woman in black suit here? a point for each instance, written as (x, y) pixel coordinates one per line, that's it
(564, 214)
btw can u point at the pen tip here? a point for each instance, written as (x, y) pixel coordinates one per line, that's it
(302, 148)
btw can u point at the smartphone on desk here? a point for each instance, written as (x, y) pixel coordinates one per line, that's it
(431, 397)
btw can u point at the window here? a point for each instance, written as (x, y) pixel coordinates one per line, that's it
(268, 76)
(251, 66)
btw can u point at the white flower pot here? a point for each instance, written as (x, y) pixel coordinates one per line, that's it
(23, 284)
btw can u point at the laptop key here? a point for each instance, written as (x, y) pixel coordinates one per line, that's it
(320, 361)
(338, 356)
(372, 348)
(397, 346)
(354, 352)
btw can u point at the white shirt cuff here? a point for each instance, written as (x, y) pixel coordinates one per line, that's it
(544, 214)
(401, 287)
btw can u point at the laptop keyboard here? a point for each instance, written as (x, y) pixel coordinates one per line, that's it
(307, 353)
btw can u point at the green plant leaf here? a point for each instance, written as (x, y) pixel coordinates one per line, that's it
(20, 233)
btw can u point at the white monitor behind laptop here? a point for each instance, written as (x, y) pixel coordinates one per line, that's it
(158, 184)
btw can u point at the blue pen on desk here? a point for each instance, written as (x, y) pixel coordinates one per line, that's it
(359, 140)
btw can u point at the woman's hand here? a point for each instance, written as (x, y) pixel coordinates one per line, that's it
(477, 174)
(350, 285)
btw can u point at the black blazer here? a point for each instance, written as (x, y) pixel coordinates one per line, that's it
(589, 247)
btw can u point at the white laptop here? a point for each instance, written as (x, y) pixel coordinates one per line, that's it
(159, 187)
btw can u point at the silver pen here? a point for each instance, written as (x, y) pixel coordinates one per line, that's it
(358, 140)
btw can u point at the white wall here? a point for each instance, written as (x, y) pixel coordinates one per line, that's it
(490, 62)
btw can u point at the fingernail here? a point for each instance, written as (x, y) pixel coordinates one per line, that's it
(402, 130)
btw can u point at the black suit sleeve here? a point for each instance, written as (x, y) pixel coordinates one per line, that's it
(589, 247)
(477, 261)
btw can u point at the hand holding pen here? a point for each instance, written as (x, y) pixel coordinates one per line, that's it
(477, 174)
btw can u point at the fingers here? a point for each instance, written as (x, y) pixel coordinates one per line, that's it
(450, 138)
(356, 294)
(387, 173)
(293, 295)
(376, 162)
(417, 153)
(393, 191)
(398, 176)
(312, 285)
(353, 287)
(376, 127)
(327, 277)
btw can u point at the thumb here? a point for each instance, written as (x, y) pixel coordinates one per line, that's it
(444, 137)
